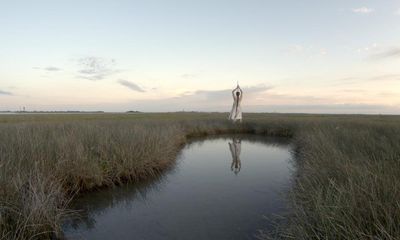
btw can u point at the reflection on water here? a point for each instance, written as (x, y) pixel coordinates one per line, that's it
(199, 198)
(235, 148)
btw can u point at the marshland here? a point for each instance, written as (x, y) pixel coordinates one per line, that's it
(345, 179)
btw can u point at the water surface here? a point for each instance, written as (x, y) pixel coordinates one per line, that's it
(221, 188)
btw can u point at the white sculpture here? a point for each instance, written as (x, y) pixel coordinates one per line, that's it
(236, 112)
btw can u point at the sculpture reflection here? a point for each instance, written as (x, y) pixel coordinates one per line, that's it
(235, 147)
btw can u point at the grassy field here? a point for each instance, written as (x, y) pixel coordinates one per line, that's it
(346, 185)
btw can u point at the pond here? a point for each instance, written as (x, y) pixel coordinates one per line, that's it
(225, 187)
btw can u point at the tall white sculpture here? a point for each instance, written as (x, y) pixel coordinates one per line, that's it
(236, 112)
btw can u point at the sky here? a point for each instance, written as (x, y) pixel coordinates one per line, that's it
(307, 56)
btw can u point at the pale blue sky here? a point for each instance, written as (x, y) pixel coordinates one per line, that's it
(289, 56)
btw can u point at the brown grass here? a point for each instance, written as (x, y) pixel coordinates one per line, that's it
(346, 184)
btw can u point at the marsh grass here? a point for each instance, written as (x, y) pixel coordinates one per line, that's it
(346, 184)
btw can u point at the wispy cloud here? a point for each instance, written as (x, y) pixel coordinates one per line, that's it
(188, 75)
(388, 53)
(130, 85)
(49, 68)
(52, 69)
(328, 108)
(323, 51)
(397, 12)
(388, 94)
(207, 100)
(385, 77)
(363, 10)
(354, 80)
(259, 99)
(222, 95)
(5, 93)
(95, 68)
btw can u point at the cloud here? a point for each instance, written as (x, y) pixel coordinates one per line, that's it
(385, 77)
(389, 53)
(323, 51)
(188, 75)
(271, 103)
(221, 95)
(95, 68)
(363, 10)
(353, 91)
(252, 95)
(50, 68)
(130, 85)
(388, 94)
(397, 12)
(5, 93)
(327, 108)
(362, 79)
(347, 79)
(203, 100)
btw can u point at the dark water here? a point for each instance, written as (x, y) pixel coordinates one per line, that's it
(221, 188)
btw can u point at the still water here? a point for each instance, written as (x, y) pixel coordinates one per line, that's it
(220, 188)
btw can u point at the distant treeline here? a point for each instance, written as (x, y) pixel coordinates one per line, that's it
(61, 111)
(51, 111)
